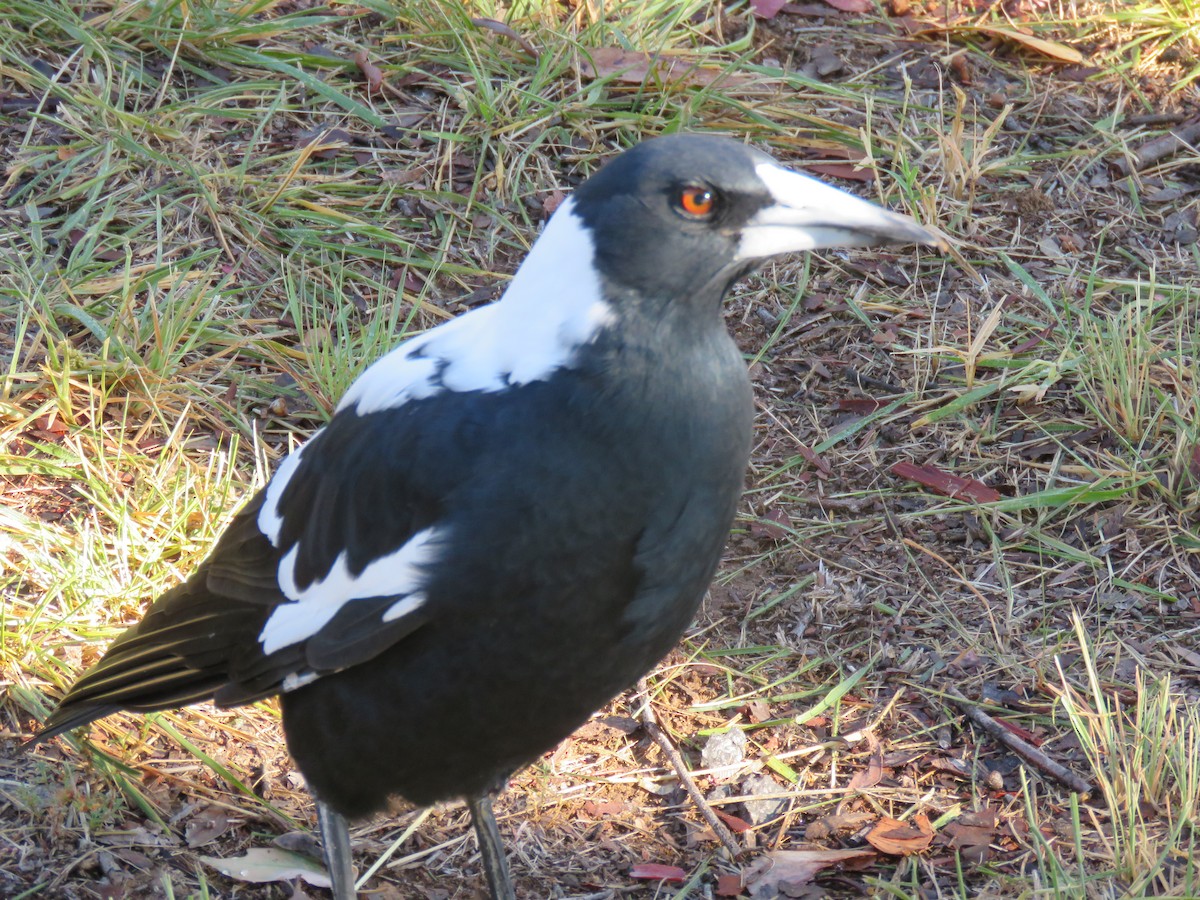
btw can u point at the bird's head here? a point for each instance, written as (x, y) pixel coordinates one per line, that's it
(686, 215)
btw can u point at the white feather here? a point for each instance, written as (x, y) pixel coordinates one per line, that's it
(554, 305)
(401, 573)
(269, 520)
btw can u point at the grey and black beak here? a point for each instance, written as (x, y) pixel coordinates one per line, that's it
(807, 215)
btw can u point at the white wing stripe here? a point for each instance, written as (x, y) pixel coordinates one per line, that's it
(401, 573)
(269, 521)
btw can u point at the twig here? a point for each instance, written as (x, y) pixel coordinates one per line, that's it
(1153, 119)
(685, 777)
(1165, 145)
(1029, 753)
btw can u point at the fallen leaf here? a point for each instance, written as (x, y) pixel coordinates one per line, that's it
(49, 426)
(853, 6)
(1026, 346)
(658, 872)
(728, 885)
(1024, 734)
(608, 808)
(980, 818)
(811, 10)
(735, 824)
(945, 483)
(968, 660)
(824, 61)
(813, 459)
(1180, 227)
(773, 525)
(898, 838)
(508, 32)
(766, 9)
(955, 767)
(862, 406)
(1052, 49)
(757, 711)
(968, 835)
(371, 72)
(824, 828)
(846, 171)
(870, 776)
(265, 864)
(784, 871)
(207, 825)
(636, 67)
(552, 201)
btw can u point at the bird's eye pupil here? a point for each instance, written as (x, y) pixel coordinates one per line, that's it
(697, 201)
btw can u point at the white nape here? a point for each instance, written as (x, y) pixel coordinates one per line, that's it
(553, 306)
(401, 574)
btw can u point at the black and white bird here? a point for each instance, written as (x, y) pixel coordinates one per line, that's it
(510, 517)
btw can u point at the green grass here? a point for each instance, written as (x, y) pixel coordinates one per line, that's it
(212, 225)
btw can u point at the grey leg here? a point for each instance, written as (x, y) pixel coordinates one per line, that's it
(335, 838)
(495, 866)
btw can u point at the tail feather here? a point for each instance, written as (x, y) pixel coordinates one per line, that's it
(197, 639)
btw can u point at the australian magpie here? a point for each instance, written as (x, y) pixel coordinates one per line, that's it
(510, 517)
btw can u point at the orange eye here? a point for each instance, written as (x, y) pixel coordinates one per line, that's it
(697, 201)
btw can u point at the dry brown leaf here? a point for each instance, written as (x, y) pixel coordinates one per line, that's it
(506, 31)
(773, 524)
(636, 67)
(729, 885)
(658, 872)
(205, 826)
(766, 9)
(371, 72)
(782, 871)
(854, 6)
(1051, 49)
(847, 171)
(733, 823)
(898, 838)
(870, 776)
(968, 835)
(812, 10)
(945, 483)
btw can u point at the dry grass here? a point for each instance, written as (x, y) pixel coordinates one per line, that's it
(211, 224)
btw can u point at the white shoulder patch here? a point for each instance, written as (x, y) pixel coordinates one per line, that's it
(402, 574)
(554, 305)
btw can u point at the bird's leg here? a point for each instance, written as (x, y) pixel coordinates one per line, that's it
(495, 866)
(335, 838)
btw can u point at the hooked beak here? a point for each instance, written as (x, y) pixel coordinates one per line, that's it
(809, 215)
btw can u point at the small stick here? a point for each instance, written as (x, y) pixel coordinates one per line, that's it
(651, 725)
(1162, 146)
(1153, 119)
(1028, 752)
